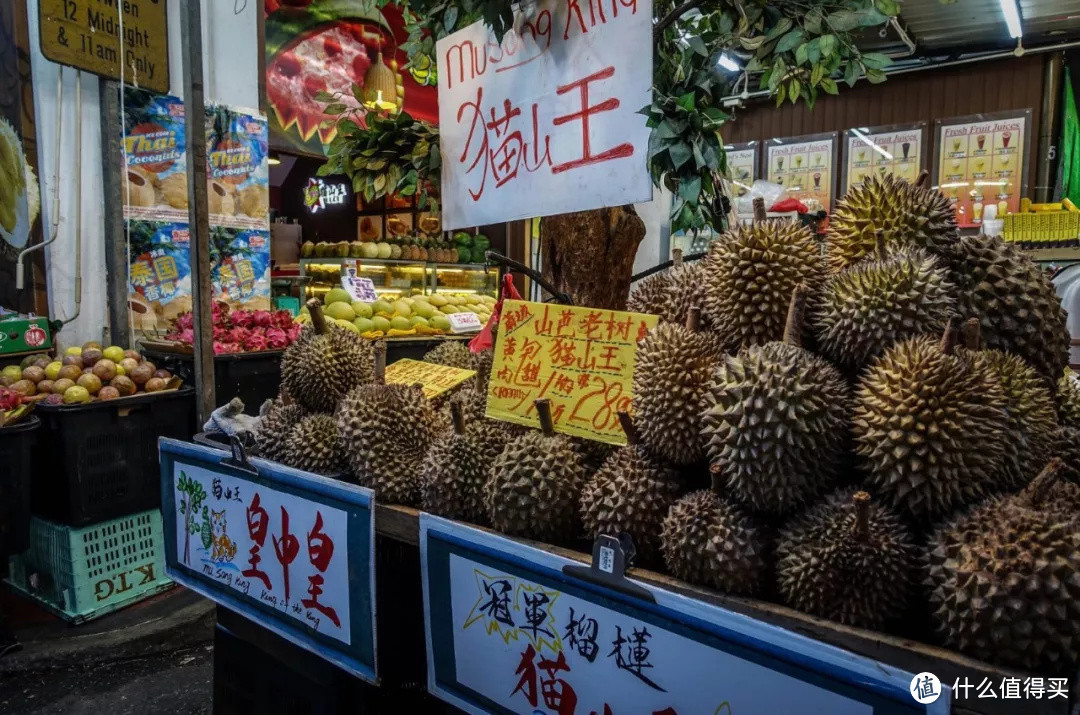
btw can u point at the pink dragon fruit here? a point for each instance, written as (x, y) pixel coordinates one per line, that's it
(185, 320)
(243, 319)
(293, 331)
(262, 318)
(221, 334)
(223, 348)
(256, 341)
(239, 335)
(277, 339)
(282, 319)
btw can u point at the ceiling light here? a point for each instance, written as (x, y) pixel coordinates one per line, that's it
(728, 63)
(273, 160)
(1011, 14)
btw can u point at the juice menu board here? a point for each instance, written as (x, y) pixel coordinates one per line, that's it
(981, 161)
(742, 166)
(896, 149)
(805, 166)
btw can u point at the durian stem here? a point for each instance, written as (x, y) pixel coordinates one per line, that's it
(458, 415)
(924, 175)
(759, 210)
(543, 409)
(1042, 484)
(676, 257)
(693, 319)
(716, 478)
(972, 334)
(861, 500)
(380, 362)
(627, 422)
(879, 244)
(796, 316)
(318, 320)
(948, 337)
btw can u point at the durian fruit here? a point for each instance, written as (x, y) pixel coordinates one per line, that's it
(1016, 303)
(672, 372)
(848, 560)
(1067, 402)
(456, 467)
(278, 418)
(324, 363)
(881, 300)
(929, 426)
(909, 214)
(533, 486)
(631, 492)
(385, 432)
(1032, 422)
(1004, 581)
(313, 445)
(710, 541)
(751, 273)
(775, 420)
(651, 295)
(452, 353)
(670, 294)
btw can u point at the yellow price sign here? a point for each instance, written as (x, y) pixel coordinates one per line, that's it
(435, 379)
(109, 36)
(581, 359)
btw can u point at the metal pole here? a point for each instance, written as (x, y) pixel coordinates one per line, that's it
(116, 259)
(198, 210)
(1047, 161)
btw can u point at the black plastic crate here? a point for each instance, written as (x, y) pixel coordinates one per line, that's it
(15, 460)
(99, 461)
(253, 377)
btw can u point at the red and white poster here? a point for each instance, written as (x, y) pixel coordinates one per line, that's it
(546, 121)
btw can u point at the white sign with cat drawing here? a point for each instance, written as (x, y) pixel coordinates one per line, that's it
(288, 553)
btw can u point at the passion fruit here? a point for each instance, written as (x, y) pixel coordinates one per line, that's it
(123, 385)
(89, 381)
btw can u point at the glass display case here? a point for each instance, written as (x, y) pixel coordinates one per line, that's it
(401, 277)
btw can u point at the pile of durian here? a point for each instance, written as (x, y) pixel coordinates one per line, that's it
(877, 430)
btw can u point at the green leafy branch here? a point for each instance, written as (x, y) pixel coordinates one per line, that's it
(382, 155)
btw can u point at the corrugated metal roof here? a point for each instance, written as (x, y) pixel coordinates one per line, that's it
(978, 24)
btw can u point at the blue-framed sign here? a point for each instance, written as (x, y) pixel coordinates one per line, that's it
(290, 550)
(508, 631)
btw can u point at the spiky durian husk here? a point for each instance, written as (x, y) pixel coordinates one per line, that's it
(1032, 423)
(274, 428)
(906, 214)
(385, 432)
(775, 425)
(750, 275)
(591, 452)
(317, 370)
(652, 295)
(1004, 585)
(670, 294)
(456, 468)
(631, 492)
(709, 541)
(1017, 306)
(313, 445)
(876, 303)
(823, 567)
(452, 353)
(671, 374)
(929, 427)
(1067, 399)
(533, 488)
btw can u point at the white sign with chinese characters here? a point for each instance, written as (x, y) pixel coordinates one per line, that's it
(286, 552)
(546, 121)
(362, 289)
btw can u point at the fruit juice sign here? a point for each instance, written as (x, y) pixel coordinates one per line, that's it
(581, 359)
(433, 379)
(883, 151)
(546, 122)
(509, 631)
(290, 550)
(803, 166)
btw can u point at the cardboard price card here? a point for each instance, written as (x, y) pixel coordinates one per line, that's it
(582, 359)
(435, 379)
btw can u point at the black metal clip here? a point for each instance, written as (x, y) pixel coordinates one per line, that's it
(610, 558)
(239, 459)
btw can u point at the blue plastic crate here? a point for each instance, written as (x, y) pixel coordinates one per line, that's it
(82, 573)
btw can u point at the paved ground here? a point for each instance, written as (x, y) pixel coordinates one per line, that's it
(178, 682)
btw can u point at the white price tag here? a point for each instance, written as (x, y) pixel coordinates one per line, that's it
(607, 559)
(464, 322)
(362, 289)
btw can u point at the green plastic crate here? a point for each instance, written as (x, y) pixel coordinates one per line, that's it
(82, 573)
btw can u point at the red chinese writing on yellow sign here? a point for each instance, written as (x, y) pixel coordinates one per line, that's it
(581, 359)
(435, 379)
